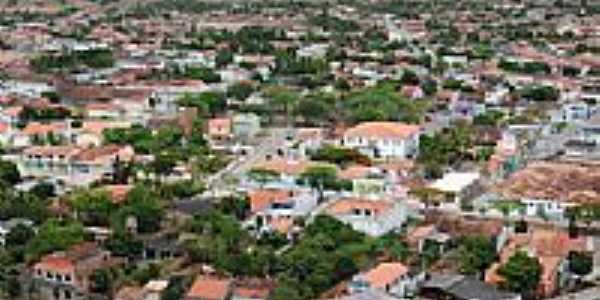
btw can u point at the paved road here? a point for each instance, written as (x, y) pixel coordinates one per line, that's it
(274, 139)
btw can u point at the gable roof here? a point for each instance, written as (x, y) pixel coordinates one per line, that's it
(395, 130)
(385, 274)
(209, 288)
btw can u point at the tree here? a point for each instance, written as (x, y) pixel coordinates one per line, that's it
(476, 254)
(19, 235)
(283, 97)
(101, 281)
(240, 90)
(55, 235)
(143, 203)
(580, 263)
(521, 274)
(319, 178)
(262, 176)
(93, 207)
(9, 172)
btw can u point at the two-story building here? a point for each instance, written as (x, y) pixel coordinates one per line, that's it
(386, 140)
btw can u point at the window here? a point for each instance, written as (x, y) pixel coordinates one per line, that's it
(49, 275)
(68, 294)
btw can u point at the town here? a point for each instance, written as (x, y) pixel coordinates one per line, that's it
(299, 149)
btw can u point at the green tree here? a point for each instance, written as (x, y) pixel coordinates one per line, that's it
(320, 178)
(240, 90)
(580, 263)
(19, 235)
(284, 98)
(262, 176)
(93, 207)
(476, 254)
(521, 274)
(55, 235)
(101, 281)
(9, 173)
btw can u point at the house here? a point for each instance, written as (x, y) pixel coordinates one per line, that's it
(210, 288)
(281, 214)
(412, 92)
(420, 236)
(550, 247)
(391, 278)
(459, 287)
(372, 217)
(388, 140)
(245, 126)
(368, 294)
(74, 165)
(549, 189)
(219, 129)
(460, 186)
(7, 226)
(65, 275)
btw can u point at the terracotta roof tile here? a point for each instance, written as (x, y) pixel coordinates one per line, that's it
(383, 130)
(209, 288)
(385, 274)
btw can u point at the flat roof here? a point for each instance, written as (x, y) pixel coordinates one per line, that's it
(455, 182)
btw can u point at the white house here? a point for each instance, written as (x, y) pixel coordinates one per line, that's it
(461, 185)
(384, 139)
(390, 278)
(372, 217)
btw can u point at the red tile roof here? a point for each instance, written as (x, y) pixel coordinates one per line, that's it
(385, 274)
(209, 288)
(394, 130)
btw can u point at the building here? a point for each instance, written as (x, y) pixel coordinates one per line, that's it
(460, 186)
(391, 278)
(459, 287)
(65, 275)
(245, 126)
(372, 217)
(387, 140)
(210, 288)
(74, 165)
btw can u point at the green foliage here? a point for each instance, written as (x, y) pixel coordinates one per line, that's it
(540, 93)
(317, 108)
(320, 177)
(446, 147)
(55, 235)
(262, 176)
(143, 203)
(477, 253)
(19, 235)
(332, 23)
(289, 64)
(240, 90)
(95, 59)
(101, 281)
(209, 103)
(340, 156)
(197, 73)
(381, 103)
(489, 118)
(9, 173)
(521, 274)
(329, 252)
(21, 205)
(526, 67)
(93, 207)
(125, 245)
(43, 114)
(580, 263)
